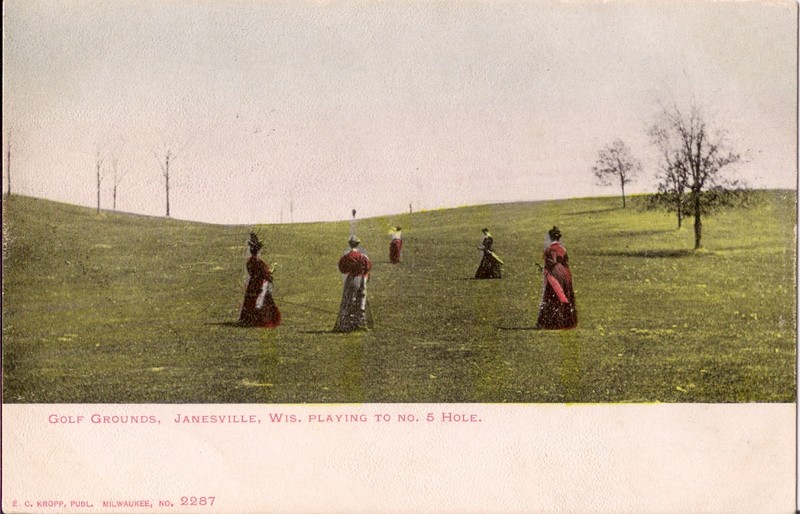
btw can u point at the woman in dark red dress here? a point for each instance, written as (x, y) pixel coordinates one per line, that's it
(396, 245)
(557, 308)
(259, 309)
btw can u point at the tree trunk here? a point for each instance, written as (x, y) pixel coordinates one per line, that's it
(698, 224)
(166, 176)
(98, 187)
(115, 197)
(622, 183)
(8, 164)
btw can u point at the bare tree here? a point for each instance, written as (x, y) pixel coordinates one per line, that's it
(165, 170)
(672, 186)
(117, 178)
(672, 178)
(166, 153)
(615, 164)
(166, 157)
(8, 163)
(98, 164)
(694, 156)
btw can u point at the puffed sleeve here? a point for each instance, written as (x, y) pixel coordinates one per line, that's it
(344, 264)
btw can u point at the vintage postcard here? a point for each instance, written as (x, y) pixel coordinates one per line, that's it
(399, 256)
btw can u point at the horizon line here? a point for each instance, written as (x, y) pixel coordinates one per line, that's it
(6, 198)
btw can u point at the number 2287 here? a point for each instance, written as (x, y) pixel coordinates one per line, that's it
(197, 500)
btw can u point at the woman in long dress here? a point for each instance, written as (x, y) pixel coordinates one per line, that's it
(259, 309)
(557, 308)
(396, 245)
(355, 266)
(490, 265)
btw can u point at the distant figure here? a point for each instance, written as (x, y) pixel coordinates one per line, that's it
(355, 266)
(259, 309)
(396, 244)
(557, 308)
(353, 224)
(490, 265)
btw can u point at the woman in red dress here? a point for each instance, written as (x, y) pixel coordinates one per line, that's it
(557, 308)
(259, 309)
(354, 266)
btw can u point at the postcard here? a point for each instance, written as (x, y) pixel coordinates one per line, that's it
(400, 256)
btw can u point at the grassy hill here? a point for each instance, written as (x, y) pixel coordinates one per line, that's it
(113, 308)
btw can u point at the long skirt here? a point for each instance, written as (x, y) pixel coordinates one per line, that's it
(395, 248)
(554, 312)
(353, 311)
(263, 313)
(490, 267)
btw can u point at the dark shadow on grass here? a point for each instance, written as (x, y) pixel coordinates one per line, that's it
(637, 233)
(596, 211)
(234, 324)
(737, 248)
(647, 254)
(229, 324)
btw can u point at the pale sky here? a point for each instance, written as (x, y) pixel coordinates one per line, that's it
(329, 106)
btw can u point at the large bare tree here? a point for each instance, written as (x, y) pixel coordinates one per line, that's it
(616, 165)
(673, 181)
(695, 156)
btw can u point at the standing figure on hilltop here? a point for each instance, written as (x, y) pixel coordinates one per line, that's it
(353, 224)
(396, 244)
(259, 309)
(490, 265)
(355, 267)
(557, 308)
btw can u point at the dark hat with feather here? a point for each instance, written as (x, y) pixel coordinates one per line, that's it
(254, 244)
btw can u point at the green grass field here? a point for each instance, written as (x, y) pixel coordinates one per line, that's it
(112, 308)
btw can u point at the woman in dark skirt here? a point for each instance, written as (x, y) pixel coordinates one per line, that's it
(396, 245)
(557, 308)
(491, 265)
(259, 309)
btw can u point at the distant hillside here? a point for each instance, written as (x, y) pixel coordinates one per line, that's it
(115, 307)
